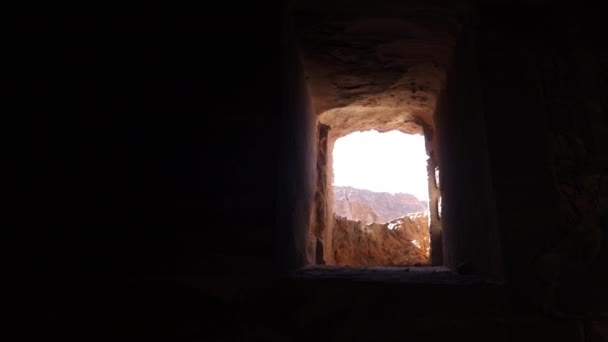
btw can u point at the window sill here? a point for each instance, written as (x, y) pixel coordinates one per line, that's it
(436, 275)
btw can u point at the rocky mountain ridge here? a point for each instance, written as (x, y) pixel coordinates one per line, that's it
(369, 206)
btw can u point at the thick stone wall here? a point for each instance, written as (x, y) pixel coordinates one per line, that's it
(299, 145)
(468, 215)
(320, 223)
(380, 72)
(544, 86)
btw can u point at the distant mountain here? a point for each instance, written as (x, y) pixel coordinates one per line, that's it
(368, 206)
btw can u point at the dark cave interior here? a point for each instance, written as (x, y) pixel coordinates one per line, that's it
(168, 178)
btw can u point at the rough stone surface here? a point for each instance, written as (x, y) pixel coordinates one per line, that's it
(363, 72)
(378, 71)
(369, 206)
(404, 241)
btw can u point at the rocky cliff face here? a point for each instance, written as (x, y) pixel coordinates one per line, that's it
(368, 206)
(403, 241)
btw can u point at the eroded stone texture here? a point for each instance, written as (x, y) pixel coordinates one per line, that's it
(383, 69)
(376, 71)
(404, 241)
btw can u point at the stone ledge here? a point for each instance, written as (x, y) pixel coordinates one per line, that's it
(438, 275)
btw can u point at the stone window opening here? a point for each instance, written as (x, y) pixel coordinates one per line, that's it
(375, 239)
(381, 206)
(356, 72)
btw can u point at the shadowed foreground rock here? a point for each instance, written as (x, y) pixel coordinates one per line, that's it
(403, 241)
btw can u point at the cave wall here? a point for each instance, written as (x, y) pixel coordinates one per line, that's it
(321, 219)
(140, 164)
(517, 145)
(300, 143)
(139, 152)
(468, 215)
(544, 85)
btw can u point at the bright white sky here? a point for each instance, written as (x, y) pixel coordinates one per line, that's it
(382, 162)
